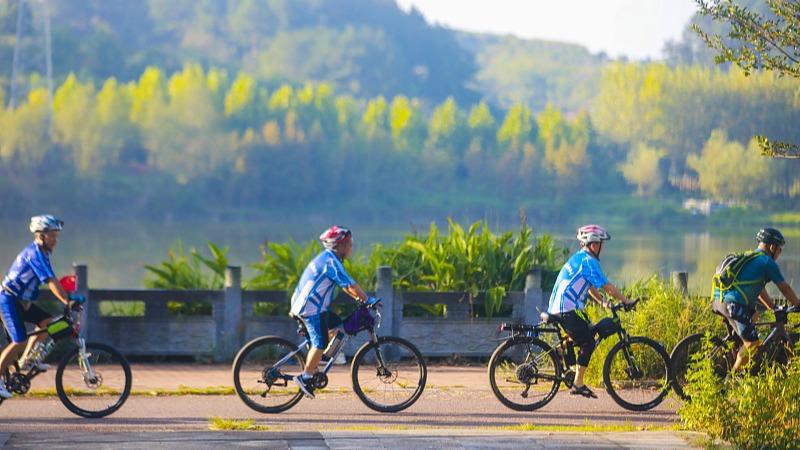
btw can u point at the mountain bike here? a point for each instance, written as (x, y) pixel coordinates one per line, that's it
(388, 373)
(777, 347)
(92, 379)
(525, 372)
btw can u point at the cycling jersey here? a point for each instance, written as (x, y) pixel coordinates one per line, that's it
(29, 270)
(314, 292)
(572, 285)
(752, 279)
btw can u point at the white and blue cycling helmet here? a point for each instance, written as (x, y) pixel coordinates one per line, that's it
(45, 223)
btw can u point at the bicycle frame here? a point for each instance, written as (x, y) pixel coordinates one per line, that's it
(563, 338)
(306, 343)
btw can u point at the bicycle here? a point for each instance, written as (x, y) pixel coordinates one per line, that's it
(777, 347)
(388, 367)
(525, 372)
(92, 379)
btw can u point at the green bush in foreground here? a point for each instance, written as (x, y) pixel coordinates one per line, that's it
(760, 411)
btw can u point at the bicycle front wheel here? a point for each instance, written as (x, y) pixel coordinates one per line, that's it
(94, 384)
(688, 350)
(637, 373)
(262, 372)
(390, 375)
(524, 373)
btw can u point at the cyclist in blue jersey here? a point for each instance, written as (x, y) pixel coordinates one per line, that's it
(314, 293)
(20, 288)
(738, 304)
(580, 278)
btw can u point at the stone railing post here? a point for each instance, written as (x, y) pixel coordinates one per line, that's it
(91, 310)
(535, 301)
(391, 316)
(232, 325)
(680, 280)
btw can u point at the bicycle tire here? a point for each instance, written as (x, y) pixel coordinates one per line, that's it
(549, 356)
(662, 361)
(682, 355)
(66, 393)
(293, 397)
(409, 357)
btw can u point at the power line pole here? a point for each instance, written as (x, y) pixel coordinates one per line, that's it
(32, 36)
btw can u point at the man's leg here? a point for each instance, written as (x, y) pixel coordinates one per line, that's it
(12, 321)
(741, 321)
(36, 337)
(743, 357)
(577, 325)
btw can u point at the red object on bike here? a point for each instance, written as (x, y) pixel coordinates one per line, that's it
(69, 283)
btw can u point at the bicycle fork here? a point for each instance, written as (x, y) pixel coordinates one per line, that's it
(382, 370)
(89, 375)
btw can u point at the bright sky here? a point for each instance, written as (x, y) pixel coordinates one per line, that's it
(637, 29)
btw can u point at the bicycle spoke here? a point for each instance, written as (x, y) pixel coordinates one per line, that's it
(262, 371)
(523, 374)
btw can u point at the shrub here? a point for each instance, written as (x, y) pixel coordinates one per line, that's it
(755, 411)
(181, 271)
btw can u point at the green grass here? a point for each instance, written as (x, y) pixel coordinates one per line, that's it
(221, 424)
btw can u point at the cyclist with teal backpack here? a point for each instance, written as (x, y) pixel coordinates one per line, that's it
(740, 280)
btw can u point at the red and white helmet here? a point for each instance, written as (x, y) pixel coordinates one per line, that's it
(592, 233)
(334, 236)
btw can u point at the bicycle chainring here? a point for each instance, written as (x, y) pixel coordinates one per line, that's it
(18, 383)
(320, 380)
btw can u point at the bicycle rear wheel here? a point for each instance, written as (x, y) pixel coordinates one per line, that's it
(94, 386)
(261, 382)
(524, 373)
(688, 350)
(637, 373)
(390, 375)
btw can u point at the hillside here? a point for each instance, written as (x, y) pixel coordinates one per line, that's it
(363, 47)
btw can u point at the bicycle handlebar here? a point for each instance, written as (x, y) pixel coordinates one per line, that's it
(627, 307)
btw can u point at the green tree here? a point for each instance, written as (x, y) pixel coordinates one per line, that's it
(518, 127)
(24, 142)
(407, 124)
(642, 169)
(447, 128)
(758, 42)
(729, 171)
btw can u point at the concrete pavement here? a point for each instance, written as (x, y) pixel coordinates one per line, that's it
(444, 439)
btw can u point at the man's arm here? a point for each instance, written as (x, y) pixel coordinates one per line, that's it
(58, 290)
(614, 292)
(766, 300)
(596, 295)
(789, 293)
(355, 291)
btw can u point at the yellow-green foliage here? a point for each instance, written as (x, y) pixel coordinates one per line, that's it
(757, 411)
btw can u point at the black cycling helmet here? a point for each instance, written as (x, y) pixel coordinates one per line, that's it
(770, 236)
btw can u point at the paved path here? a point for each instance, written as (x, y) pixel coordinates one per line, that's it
(445, 439)
(457, 410)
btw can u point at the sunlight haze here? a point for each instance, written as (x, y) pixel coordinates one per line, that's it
(637, 29)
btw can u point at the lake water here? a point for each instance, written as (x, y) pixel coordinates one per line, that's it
(117, 251)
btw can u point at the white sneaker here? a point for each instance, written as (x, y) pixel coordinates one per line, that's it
(3, 391)
(340, 359)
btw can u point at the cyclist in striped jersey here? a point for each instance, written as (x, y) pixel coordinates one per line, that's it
(581, 277)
